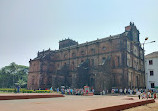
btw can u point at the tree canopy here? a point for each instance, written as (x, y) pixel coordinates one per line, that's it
(12, 75)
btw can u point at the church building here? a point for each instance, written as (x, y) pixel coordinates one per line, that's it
(112, 62)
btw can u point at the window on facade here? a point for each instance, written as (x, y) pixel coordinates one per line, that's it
(103, 60)
(152, 85)
(65, 55)
(73, 54)
(92, 60)
(93, 51)
(73, 64)
(58, 65)
(113, 63)
(128, 46)
(128, 62)
(104, 48)
(151, 73)
(33, 79)
(118, 60)
(82, 52)
(137, 64)
(150, 62)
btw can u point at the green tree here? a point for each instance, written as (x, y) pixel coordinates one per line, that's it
(9, 75)
(20, 83)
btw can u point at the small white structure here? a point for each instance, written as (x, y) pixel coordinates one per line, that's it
(151, 70)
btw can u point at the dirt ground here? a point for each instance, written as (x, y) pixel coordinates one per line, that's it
(148, 107)
(67, 103)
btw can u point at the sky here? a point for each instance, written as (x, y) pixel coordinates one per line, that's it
(29, 26)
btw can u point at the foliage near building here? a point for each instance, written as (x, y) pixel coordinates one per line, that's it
(13, 75)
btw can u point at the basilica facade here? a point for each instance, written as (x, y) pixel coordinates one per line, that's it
(112, 62)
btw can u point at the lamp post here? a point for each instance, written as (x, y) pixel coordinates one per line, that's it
(145, 78)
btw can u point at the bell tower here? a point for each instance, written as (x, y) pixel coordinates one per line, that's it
(132, 32)
(66, 43)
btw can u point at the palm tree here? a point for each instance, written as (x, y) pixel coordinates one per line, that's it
(13, 70)
(20, 83)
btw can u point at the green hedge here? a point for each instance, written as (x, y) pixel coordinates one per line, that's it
(43, 91)
(7, 90)
(24, 90)
(27, 91)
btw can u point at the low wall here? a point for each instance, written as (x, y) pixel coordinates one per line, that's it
(11, 97)
(125, 106)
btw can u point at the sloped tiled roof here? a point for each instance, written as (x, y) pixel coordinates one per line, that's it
(152, 55)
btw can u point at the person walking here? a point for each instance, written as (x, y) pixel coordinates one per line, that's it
(148, 94)
(155, 95)
(129, 90)
(103, 92)
(125, 91)
(138, 93)
(120, 90)
(18, 89)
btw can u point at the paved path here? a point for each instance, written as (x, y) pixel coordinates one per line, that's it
(67, 103)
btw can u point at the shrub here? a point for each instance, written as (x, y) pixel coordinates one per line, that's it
(24, 90)
(43, 91)
(7, 90)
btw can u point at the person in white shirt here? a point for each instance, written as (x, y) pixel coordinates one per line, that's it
(138, 93)
(120, 90)
(148, 94)
(125, 91)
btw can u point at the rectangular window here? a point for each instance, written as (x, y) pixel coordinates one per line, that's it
(103, 60)
(128, 46)
(113, 63)
(150, 62)
(118, 60)
(151, 73)
(92, 60)
(152, 85)
(73, 64)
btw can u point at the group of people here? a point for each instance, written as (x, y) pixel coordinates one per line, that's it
(71, 91)
(146, 94)
(142, 93)
(124, 91)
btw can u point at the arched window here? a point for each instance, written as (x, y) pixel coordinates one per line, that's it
(82, 52)
(118, 60)
(65, 55)
(73, 54)
(33, 80)
(58, 65)
(103, 60)
(92, 51)
(92, 62)
(103, 48)
(73, 64)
